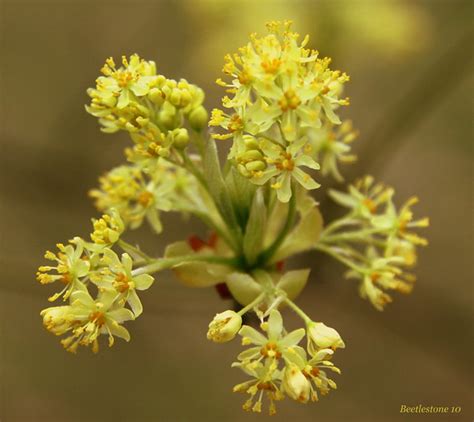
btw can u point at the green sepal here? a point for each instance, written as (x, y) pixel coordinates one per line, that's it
(306, 232)
(243, 287)
(241, 193)
(217, 187)
(293, 282)
(197, 273)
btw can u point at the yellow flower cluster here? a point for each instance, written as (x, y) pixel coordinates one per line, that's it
(80, 265)
(374, 239)
(152, 108)
(281, 114)
(278, 367)
(279, 91)
(330, 145)
(137, 195)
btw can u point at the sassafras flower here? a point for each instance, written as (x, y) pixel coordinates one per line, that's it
(277, 85)
(295, 384)
(381, 275)
(107, 229)
(133, 78)
(320, 336)
(135, 196)
(224, 327)
(400, 222)
(85, 319)
(284, 166)
(265, 383)
(117, 275)
(262, 360)
(72, 266)
(364, 197)
(331, 145)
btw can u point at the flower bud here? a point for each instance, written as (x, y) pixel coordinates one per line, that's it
(186, 98)
(250, 142)
(56, 319)
(175, 97)
(167, 115)
(250, 155)
(156, 96)
(243, 171)
(181, 137)
(143, 121)
(295, 384)
(224, 326)
(164, 152)
(198, 118)
(109, 101)
(255, 166)
(323, 337)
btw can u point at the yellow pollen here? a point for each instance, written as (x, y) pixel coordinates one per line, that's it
(270, 350)
(271, 66)
(371, 205)
(145, 198)
(121, 283)
(98, 318)
(235, 123)
(289, 101)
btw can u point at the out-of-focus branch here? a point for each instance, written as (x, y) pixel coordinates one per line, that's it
(435, 81)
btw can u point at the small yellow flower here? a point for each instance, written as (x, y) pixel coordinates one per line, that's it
(107, 229)
(320, 336)
(224, 326)
(276, 81)
(116, 275)
(71, 268)
(85, 319)
(134, 77)
(262, 360)
(295, 384)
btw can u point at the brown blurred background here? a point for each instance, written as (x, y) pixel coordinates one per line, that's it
(411, 87)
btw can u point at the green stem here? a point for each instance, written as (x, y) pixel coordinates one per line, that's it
(338, 257)
(267, 254)
(199, 141)
(357, 235)
(298, 310)
(128, 247)
(252, 304)
(189, 165)
(345, 221)
(273, 141)
(165, 263)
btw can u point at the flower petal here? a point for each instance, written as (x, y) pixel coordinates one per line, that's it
(293, 338)
(305, 179)
(253, 335)
(275, 325)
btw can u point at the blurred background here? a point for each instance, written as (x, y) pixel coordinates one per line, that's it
(411, 88)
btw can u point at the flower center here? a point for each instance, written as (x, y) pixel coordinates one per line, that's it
(370, 205)
(123, 78)
(98, 318)
(145, 198)
(286, 162)
(289, 101)
(235, 123)
(271, 66)
(270, 350)
(121, 283)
